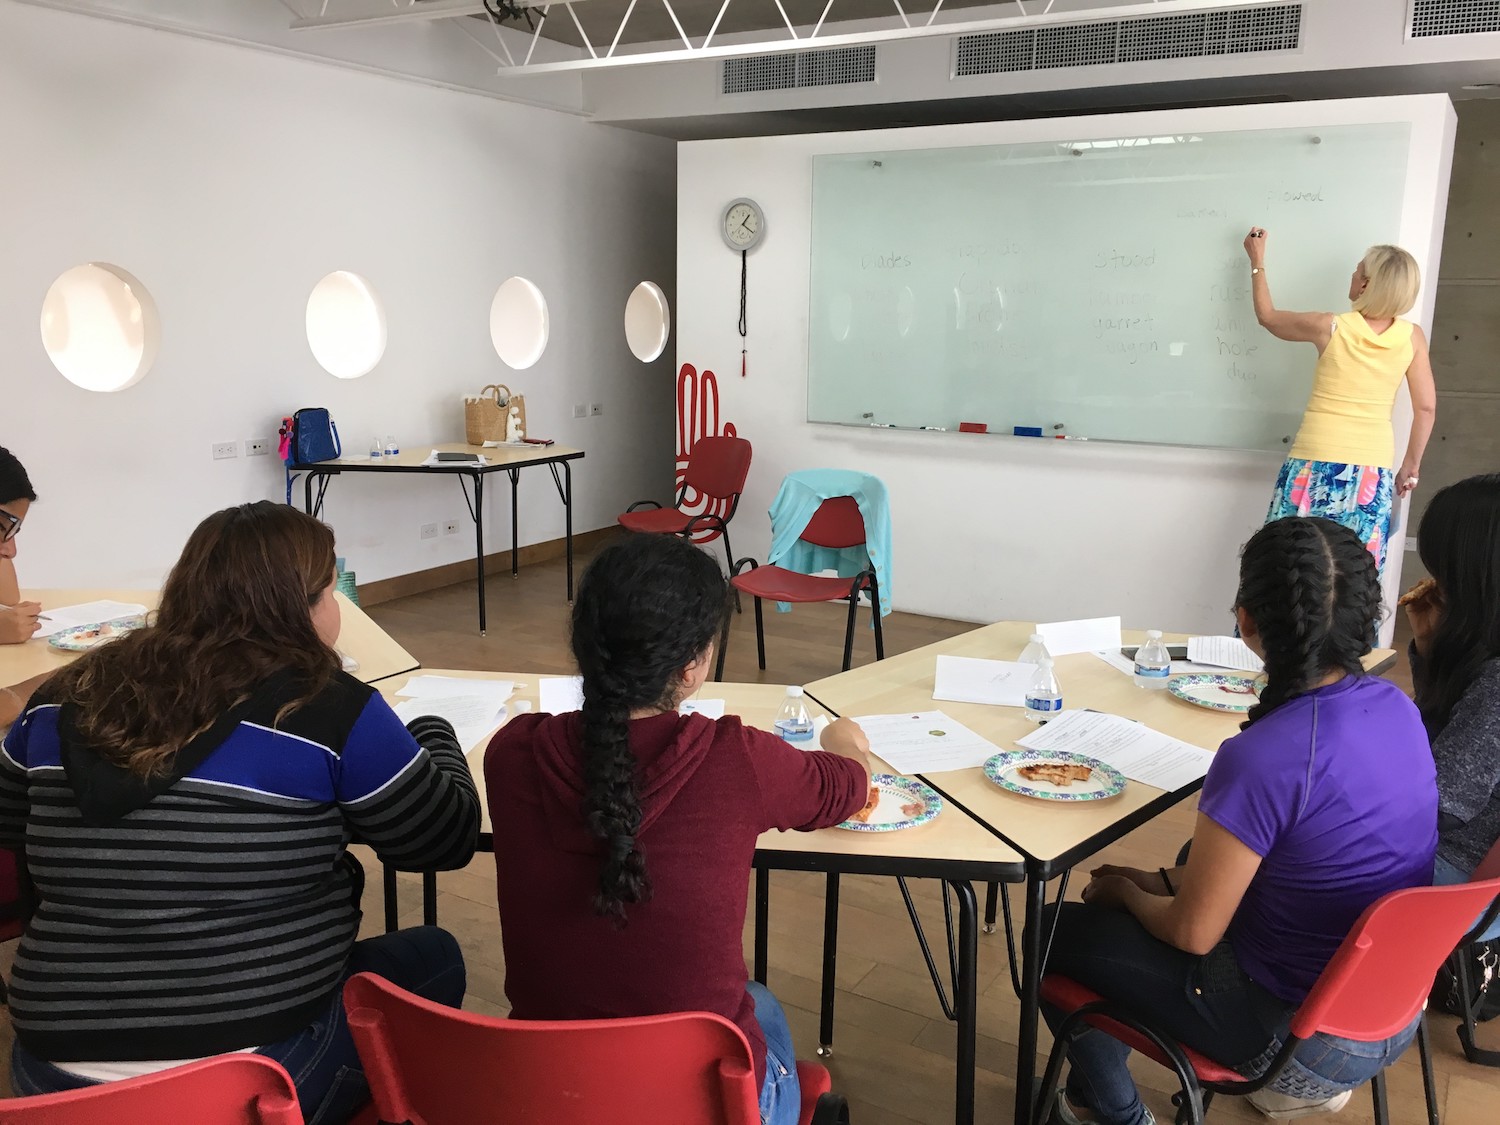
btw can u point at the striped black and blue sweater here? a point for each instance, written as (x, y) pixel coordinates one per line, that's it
(213, 908)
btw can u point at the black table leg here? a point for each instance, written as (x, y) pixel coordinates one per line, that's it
(966, 1001)
(391, 906)
(830, 962)
(762, 922)
(1031, 993)
(429, 898)
(568, 518)
(307, 500)
(479, 543)
(515, 524)
(991, 907)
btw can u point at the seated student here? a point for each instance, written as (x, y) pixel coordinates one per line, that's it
(185, 795)
(1455, 665)
(624, 833)
(1326, 801)
(18, 619)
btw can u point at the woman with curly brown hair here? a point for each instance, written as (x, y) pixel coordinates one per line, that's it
(185, 796)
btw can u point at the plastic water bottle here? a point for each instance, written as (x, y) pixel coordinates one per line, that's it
(1044, 696)
(793, 722)
(1153, 664)
(391, 448)
(375, 449)
(1035, 651)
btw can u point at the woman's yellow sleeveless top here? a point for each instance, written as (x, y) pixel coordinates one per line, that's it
(1348, 417)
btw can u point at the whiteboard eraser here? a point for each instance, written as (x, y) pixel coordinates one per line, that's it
(1027, 431)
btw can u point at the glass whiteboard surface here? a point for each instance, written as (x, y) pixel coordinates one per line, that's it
(1095, 288)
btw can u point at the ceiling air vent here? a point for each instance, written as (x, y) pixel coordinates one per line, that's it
(836, 66)
(1230, 31)
(1454, 17)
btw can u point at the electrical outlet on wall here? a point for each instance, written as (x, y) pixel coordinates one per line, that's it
(223, 450)
(580, 410)
(1411, 542)
(450, 528)
(596, 409)
(429, 531)
(257, 447)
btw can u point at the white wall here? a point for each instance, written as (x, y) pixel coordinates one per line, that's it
(229, 181)
(1002, 528)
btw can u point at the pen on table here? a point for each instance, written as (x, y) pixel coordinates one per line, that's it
(935, 429)
(1068, 437)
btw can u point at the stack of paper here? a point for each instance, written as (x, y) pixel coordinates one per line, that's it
(928, 742)
(428, 687)
(474, 707)
(1064, 638)
(1224, 652)
(62, 618)
(557, 695)
(1137, 751)
(1002, 683)
(474, 717)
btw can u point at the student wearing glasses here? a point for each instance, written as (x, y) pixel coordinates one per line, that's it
(18, 619)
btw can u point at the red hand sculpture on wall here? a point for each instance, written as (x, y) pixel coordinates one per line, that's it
(698, 417)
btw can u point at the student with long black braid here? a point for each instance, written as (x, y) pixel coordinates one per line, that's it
(624, 833)
(1325, 801)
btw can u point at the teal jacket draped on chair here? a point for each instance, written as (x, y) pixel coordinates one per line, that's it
(801, 493)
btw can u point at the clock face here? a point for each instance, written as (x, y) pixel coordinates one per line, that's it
(743, 224)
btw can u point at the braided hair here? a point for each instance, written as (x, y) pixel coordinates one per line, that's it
(1313, 591)
(647, 606)
(1459, 543)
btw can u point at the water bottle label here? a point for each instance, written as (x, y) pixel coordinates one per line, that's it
(1152, 673)
(793, 731)
(1035, 704)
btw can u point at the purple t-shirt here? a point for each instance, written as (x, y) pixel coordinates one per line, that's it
(1336, 791)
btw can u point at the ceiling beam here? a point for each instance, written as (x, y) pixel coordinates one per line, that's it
(925, 30)
(412, 11)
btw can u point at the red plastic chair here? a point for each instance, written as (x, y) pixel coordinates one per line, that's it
(223, 1090)
(837, 523)
(716, 470)
(432, 1065)
(1375, 985)
(1462, 959)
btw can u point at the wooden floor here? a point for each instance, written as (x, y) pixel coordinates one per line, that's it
(893, 1050)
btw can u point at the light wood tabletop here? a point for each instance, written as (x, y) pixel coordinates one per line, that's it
(378, 654)
(1053, 832)
(951, 838)
(413, 460)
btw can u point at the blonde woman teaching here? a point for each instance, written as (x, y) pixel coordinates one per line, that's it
(1343, 463)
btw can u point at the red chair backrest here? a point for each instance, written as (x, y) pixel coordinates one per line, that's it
(12, 903)
(836, 523)
(1380, 976)
(432, 1065)
(717, 466)
(223, 1090)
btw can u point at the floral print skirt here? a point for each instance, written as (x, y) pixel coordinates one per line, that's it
(1357, 496)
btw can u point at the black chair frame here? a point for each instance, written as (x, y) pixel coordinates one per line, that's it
(1467, 997)
(1196, 1095)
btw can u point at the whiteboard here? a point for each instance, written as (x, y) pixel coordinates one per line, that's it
(1093, 287)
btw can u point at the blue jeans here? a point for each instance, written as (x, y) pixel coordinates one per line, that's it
(1444, 874)
(781, 1093)
(1208, 1003)
(321, 1058)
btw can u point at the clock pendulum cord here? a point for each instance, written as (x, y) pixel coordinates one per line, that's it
(744, 324)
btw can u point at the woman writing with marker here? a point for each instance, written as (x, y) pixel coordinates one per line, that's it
(1342, 465)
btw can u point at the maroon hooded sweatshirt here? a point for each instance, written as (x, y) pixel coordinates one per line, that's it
(708, 788)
